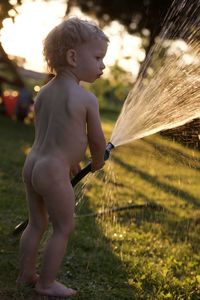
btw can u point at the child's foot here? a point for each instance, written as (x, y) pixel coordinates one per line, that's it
(27, 281)
(56, 289)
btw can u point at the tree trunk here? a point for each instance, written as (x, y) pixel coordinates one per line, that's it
(18, 81)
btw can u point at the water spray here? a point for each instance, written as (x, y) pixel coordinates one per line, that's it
(21, 226)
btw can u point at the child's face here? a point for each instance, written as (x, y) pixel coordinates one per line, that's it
(90, 56)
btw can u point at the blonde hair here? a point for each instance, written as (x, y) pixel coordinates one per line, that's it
(69, 34)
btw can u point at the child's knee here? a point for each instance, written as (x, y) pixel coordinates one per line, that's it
(69, 228)
(66, 228)
(39, 225)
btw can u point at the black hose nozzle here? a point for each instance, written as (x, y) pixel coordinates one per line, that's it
(109, 148)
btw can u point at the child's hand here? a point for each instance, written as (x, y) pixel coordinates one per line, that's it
(75, 170)
(97, 166)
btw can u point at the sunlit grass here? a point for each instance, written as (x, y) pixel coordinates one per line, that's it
(144, 253)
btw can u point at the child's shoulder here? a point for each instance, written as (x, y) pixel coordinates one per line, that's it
(88, 96)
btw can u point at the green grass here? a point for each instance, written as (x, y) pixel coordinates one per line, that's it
(144, 253)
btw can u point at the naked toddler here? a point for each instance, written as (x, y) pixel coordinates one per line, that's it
(66, 121)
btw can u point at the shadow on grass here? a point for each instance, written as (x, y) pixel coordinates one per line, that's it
(167, 188)
(175, 227)
(91, 265)
(178, 156)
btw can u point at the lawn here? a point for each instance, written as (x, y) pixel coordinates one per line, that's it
(149, 251)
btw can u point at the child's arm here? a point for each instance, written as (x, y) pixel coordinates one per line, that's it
(96, 139)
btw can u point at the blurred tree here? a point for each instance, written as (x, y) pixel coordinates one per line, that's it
(143, 17)
(8, 10)
(136, 15)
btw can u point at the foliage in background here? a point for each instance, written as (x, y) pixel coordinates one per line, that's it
(8, 10)
(136, 15)
(112, 90)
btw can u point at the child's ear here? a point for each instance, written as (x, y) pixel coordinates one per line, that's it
(71, 57)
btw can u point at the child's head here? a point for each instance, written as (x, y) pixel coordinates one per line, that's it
(70, 34)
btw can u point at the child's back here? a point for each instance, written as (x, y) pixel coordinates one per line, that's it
(60, 127)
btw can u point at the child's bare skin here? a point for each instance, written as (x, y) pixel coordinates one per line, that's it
(67, 120)
(57, 289)
(25, 280)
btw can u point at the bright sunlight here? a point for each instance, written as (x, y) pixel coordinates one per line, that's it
(24, 38)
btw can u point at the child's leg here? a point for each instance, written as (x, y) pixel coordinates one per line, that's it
(60, 203)
(38, 220)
